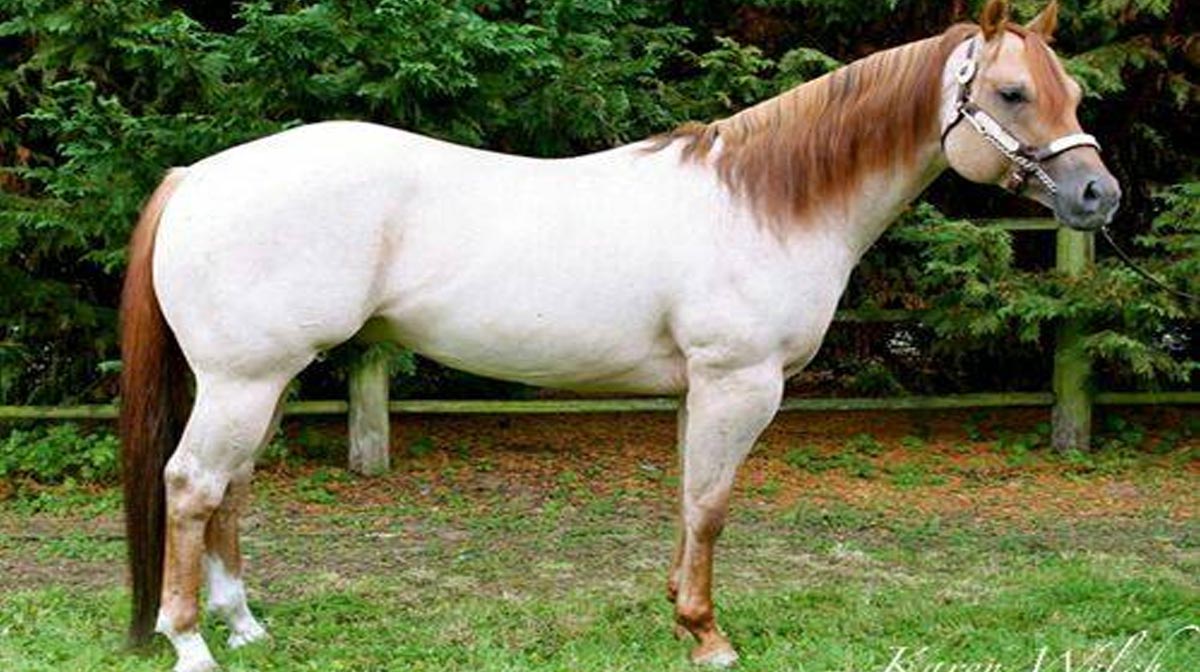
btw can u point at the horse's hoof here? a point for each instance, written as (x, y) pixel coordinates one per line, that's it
(193, 654)
(252, 633)
(196, 665)
(718, 654)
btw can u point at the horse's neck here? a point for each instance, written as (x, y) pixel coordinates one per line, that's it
(882, 185)
(879, 199)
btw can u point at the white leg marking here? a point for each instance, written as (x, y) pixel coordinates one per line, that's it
(227, 599)
(191, 651)
(721, 659)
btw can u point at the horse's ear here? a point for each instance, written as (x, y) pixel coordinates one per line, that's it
(1046, 21)
(993, 18)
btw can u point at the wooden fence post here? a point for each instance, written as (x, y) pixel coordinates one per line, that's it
(369, 426)
(1072, 415)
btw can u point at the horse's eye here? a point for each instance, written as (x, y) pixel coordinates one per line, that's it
(1013, 95)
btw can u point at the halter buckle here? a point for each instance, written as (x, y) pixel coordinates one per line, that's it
(966, 72)
(1016, 179)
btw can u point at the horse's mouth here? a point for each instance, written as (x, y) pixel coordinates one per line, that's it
(1091, 222)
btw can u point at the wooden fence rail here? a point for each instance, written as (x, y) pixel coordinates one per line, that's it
(368, 408)
(644, 405)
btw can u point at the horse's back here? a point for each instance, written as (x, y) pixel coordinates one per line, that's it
(551, 272)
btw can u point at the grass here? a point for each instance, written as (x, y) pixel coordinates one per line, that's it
(1064, 605)
(484, 559)
(579, 588)
(849, 611)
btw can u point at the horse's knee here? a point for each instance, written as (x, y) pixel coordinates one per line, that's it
(705, 516)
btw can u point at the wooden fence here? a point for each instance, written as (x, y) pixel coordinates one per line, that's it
(1070, 398)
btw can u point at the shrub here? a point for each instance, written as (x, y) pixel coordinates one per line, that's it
(98, 98)
(53, 454)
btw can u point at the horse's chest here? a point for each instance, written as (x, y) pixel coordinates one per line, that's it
(806, 322)
(801, 343)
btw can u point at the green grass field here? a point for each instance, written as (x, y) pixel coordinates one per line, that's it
(516, 556)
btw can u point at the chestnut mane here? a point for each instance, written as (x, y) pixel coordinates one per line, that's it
(817, 141)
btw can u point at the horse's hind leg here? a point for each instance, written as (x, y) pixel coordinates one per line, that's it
(230, 420)
(223, 557)
(223, 565)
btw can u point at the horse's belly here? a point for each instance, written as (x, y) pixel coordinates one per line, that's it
(651, 375)
(540, 345)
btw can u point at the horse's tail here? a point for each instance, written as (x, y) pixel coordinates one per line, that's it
(154, 408)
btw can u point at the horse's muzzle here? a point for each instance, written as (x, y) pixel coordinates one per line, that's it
(1088, 201)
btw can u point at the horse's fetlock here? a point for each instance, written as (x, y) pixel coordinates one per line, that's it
(177, 615)
(225, 606)
(697, 617)
(226, 591)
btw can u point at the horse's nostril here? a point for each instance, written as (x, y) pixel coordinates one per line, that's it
(1092, 198)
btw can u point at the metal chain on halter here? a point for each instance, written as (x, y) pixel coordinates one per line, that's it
(1026, 166)
(1141, 271)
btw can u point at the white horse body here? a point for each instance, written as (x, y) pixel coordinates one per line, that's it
(600, 272)
(628, 270)
(710, 263)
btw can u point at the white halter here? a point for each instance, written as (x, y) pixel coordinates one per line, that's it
(1026, 159)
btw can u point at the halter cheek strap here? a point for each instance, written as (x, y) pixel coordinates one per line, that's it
(1026, 160)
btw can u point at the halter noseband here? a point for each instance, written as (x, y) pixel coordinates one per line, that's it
(1026, 159)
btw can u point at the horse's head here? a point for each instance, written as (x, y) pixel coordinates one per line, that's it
(1009, 119)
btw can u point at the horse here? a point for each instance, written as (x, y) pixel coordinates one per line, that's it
(706, 262)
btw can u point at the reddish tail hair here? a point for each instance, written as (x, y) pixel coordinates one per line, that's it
(154, 408)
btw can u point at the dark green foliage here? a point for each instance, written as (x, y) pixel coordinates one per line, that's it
(58, 453)
(979, 299)
(100, 97)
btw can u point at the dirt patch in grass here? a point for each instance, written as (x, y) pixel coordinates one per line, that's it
(514, 504)
(993, 465)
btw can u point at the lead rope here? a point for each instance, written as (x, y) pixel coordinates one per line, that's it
(1141, 271)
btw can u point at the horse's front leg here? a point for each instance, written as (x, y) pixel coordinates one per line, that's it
(727, 408)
